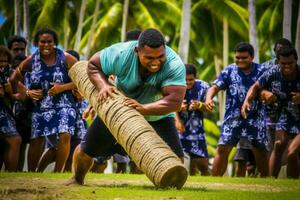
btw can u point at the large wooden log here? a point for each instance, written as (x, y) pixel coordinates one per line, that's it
(151, 154)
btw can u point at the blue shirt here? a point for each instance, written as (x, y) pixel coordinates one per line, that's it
(5, 74)
(273, 81)
(237, 83)
(269, 64)
(121, 60)
(193, 120)
(271, 109)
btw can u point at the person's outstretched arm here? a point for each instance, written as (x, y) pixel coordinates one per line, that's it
(211, 93)
(251, 95)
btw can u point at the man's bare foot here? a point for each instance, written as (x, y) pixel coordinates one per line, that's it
(73, 181)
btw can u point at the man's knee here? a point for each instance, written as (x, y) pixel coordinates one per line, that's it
(292, 153)
(279, 146)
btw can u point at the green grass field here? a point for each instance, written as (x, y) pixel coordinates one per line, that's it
(31, 186)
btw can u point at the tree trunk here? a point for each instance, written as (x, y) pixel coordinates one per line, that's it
(252, 29)
(297, 41)
(17, 17)
(124, 20)
(133, 133)
(93, 26)
(221, 94)
(79, 27)
(287, 19)
(225, 41)
(184, 40)
(26, 26)
(66, 34)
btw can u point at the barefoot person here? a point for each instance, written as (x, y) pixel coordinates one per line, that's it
(189, 122)
(152, 76)
(9, 135)
(50, 89)
(283, 85)
(236, 79)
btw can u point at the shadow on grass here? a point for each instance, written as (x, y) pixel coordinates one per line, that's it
(8, 191)
(145, 187)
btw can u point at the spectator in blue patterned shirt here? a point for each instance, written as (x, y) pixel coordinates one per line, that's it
(272, 109)
(236, 79)
(50, 89)
(8, 131)
(283, 85)
(189, 122)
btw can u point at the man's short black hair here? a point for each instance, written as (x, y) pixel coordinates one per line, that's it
(244, 47)
(283, 42)
(15, 38)
(133, 34)
(152, 38)
(74, 54)
(191, 69)
(287, 51)
(45, 31)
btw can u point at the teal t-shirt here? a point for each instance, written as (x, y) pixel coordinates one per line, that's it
(121, 60)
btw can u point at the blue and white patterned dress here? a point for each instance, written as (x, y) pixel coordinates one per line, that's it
(52, 114)
(237, 83)
(7, 122)
(81, 124)
(289, 112)
(193, 139)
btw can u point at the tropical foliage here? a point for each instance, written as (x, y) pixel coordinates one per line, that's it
(206, 31)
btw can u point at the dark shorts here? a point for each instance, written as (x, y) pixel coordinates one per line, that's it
(100, 142)
(233, 141)
(101, 160)
(245, 155)
(23, 125)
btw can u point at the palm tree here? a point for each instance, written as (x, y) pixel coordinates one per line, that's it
(79, 27)
(26, 25)
(287, 19)
(161, 14)
(124, 20)
(269, 25)
(48, 14)
(212, 15)
(17, 17)
(297, 41)
(225, 41)
(106, 31)
(93, 26)
(221, 94)
(252, 29)
(184, 40)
